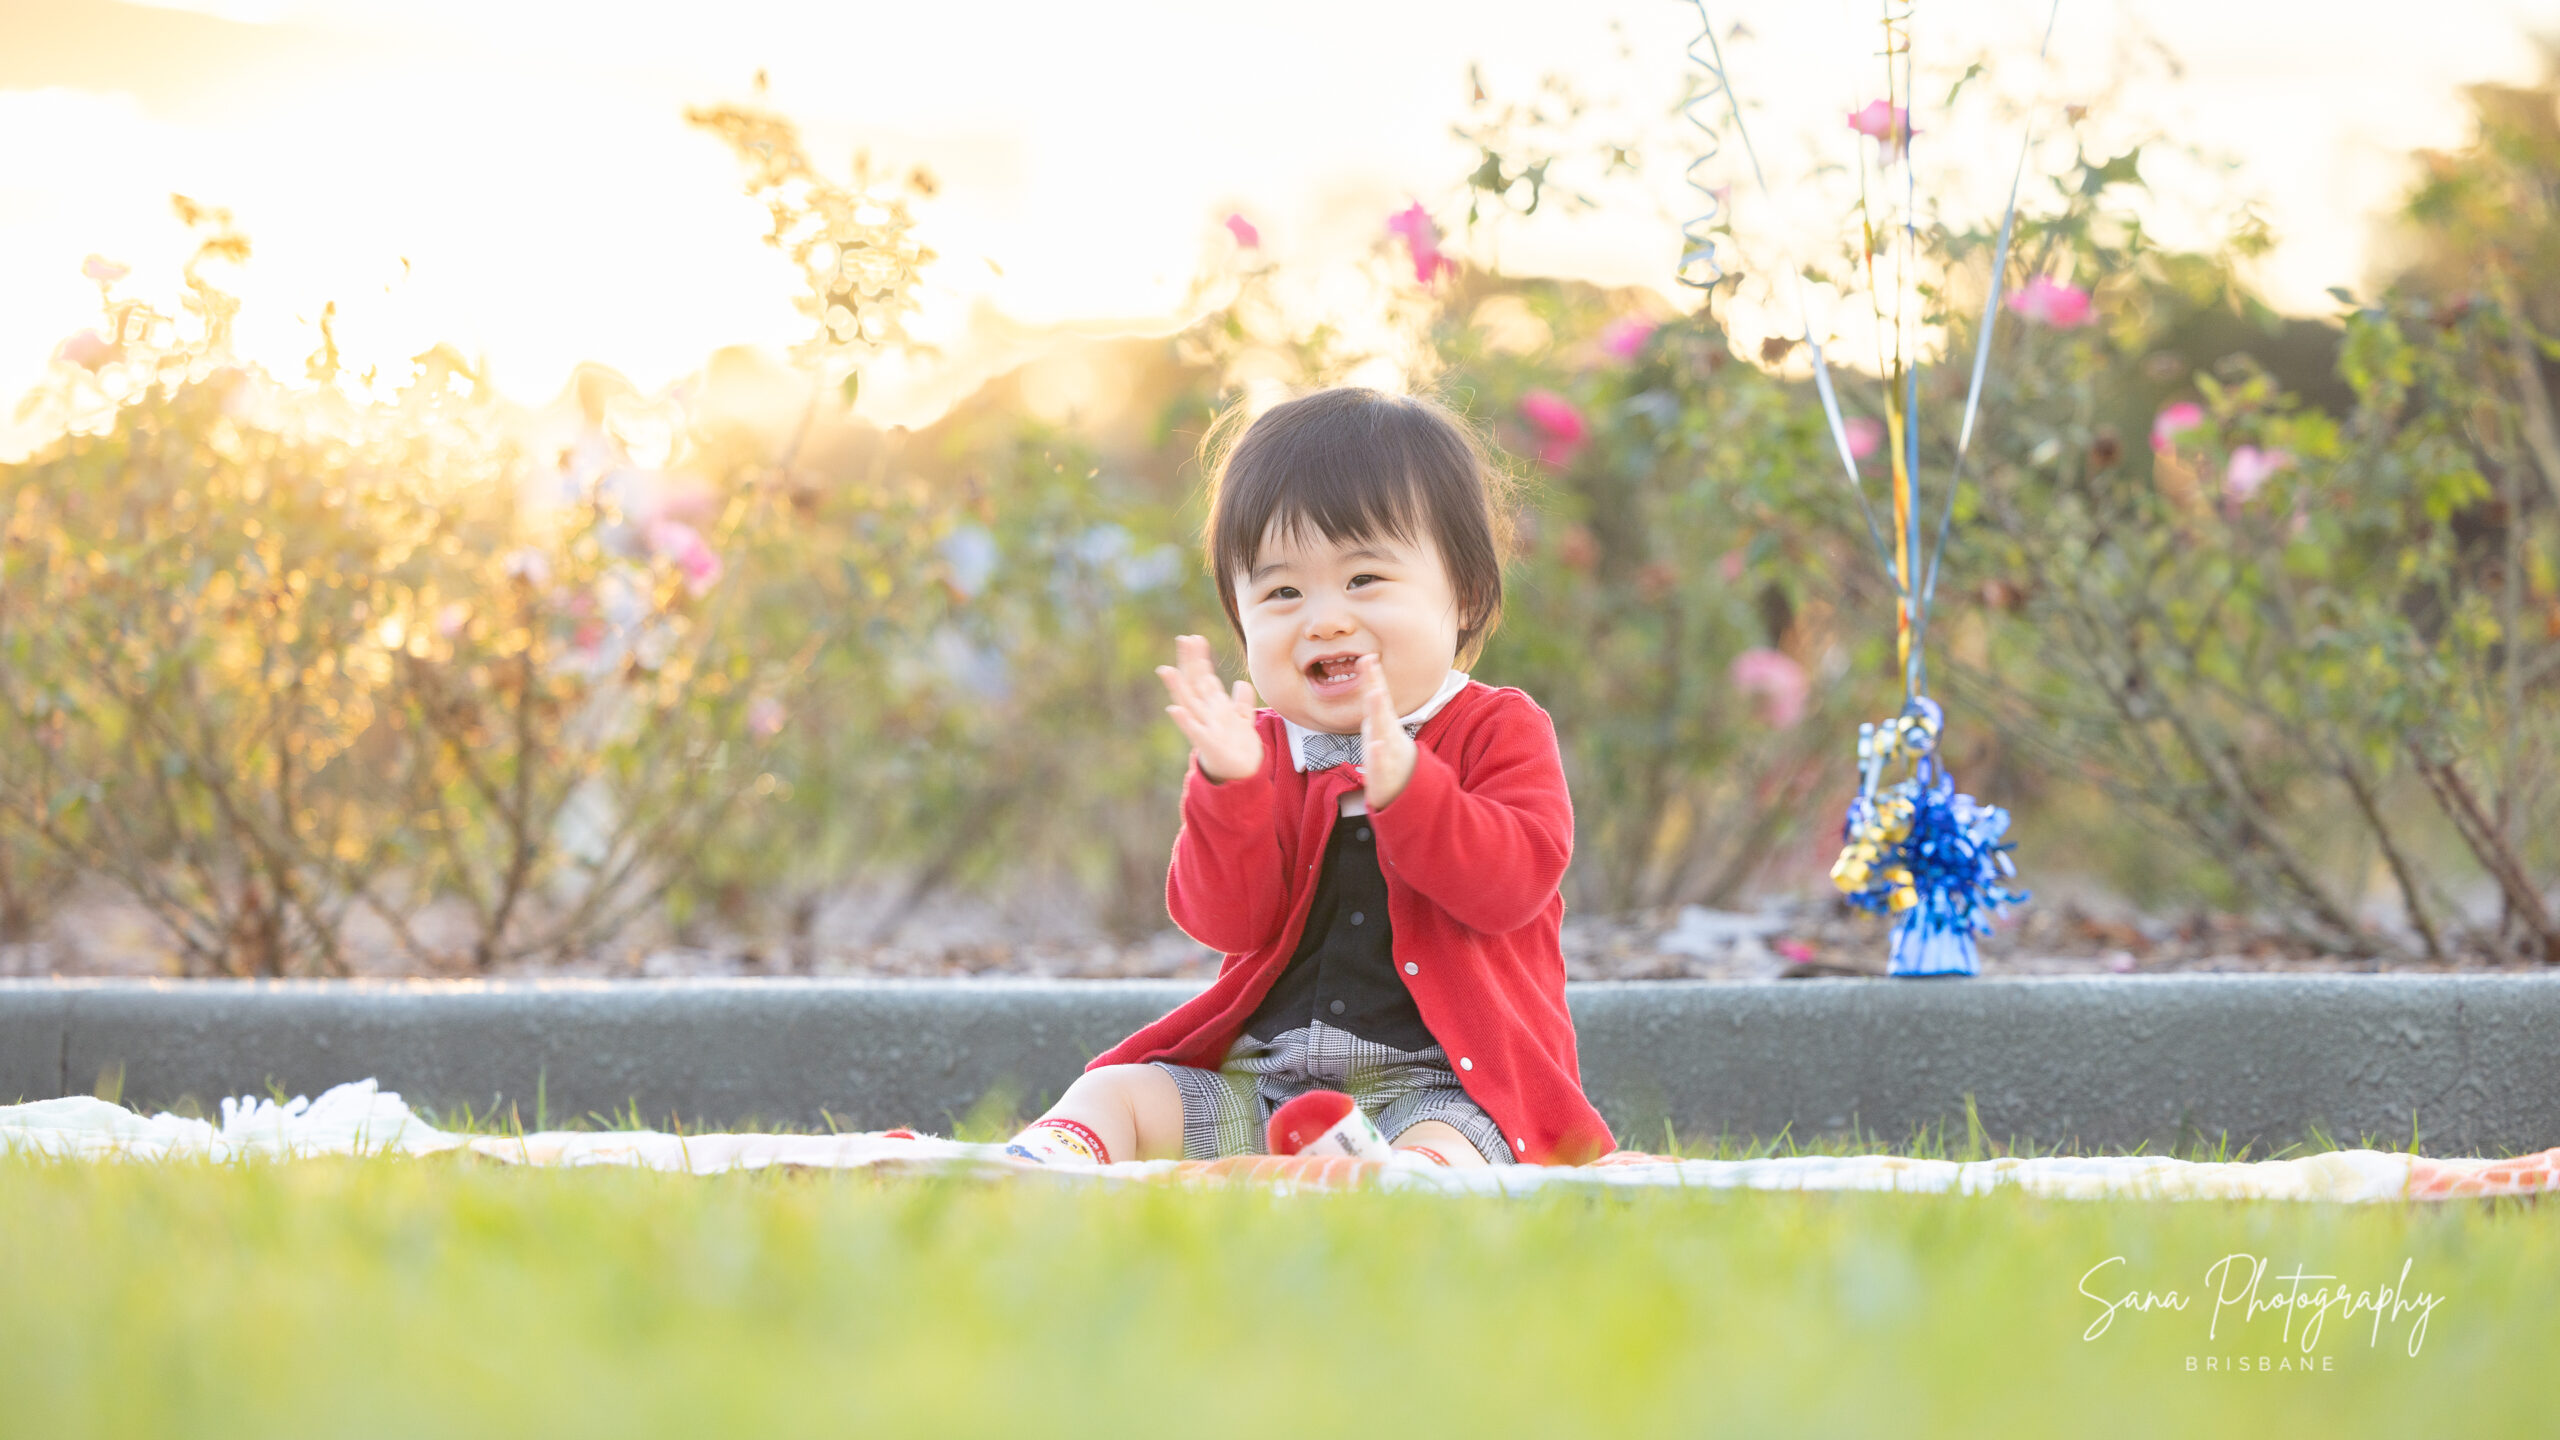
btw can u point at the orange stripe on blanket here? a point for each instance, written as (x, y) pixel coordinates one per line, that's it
(2523, 1175)
(1335, 1172)
(1323, 1172)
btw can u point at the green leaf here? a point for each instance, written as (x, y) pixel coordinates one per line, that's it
(2125, 169)
(851, 388)
(1967, 78)
(2454, 490)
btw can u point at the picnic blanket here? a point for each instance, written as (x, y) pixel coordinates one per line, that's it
(363, 1119)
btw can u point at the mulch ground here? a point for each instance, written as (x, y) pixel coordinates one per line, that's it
(1786, 939)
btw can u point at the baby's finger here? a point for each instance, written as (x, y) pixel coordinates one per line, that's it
(1197, 665)
(1178, 685)
(1244, 697)
(1376, 705)
(1184, 721)
(1191, 665)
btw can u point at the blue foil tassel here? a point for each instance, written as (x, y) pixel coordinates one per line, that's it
(1958, 862)
(1932, 858)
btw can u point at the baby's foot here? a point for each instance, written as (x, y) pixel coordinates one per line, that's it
(1325, 1122)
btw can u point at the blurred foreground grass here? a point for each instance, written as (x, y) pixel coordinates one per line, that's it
(449, 1297)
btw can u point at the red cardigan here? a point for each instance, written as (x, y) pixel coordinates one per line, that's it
(1472, 852)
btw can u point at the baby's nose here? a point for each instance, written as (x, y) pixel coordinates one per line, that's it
(1324, 619)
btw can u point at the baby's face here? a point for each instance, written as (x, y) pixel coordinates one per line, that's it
(1312, 607)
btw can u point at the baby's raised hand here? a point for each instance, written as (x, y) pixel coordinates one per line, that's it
(1217, 722)
(1386, 752)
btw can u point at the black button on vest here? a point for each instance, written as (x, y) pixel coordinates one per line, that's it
(1344, 972)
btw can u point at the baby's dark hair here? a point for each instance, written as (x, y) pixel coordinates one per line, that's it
(1354, 463)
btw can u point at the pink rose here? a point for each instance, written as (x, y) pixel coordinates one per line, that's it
(683, 497)
(1624, 337)
(1246, 236)
(693, 556)
(1864, 436)
(2046, 302)
(765, 717)
(1884, 122)
(89, 350)
(2250, 469)
(1777, 679)
(701, 567)
(2172, 422)
(1561, 432)
(1423, 239)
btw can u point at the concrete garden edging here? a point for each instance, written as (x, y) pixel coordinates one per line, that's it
(2472, 1061)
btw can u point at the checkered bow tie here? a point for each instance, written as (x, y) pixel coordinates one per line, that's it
(1313, 750)
(1323, 751)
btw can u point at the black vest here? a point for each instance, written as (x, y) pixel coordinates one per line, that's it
(1344, 973)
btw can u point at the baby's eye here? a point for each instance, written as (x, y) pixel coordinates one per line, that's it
(1283, 592)
(1359, 580)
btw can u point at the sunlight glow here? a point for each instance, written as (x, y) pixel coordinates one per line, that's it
(518, 180)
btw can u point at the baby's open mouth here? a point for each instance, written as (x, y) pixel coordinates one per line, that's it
(1333, 672)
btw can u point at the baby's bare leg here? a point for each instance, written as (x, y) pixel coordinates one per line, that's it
(1444, 1139)
(1136, 1109)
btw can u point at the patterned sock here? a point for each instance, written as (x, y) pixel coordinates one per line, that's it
(1057, 1138)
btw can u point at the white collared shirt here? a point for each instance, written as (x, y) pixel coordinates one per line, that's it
(1356, 803)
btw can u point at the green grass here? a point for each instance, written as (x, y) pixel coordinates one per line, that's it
(454, 1297)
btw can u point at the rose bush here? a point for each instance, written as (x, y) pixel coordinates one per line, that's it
(294, 663)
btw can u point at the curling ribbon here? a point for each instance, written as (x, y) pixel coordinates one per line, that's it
(1699, 247)
(1934, 859)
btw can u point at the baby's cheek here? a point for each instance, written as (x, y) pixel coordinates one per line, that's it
(1266, 671)
(1417, 679)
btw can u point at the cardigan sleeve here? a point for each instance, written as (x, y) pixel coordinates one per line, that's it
(1491, 850)
(1226, 888)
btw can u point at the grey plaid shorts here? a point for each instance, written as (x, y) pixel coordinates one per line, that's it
(1226, 1111)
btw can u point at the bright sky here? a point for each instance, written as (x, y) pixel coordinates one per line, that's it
(517, 178)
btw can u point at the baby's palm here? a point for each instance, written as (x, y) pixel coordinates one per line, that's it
(1218, 722)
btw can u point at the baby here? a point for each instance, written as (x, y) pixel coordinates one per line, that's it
(1378, 851)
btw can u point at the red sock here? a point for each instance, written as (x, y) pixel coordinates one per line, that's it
(1324, 1122)
(1295, 1125)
